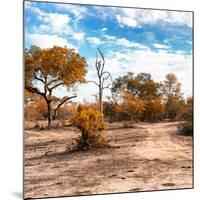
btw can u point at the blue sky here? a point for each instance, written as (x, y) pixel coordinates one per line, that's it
(137, 40)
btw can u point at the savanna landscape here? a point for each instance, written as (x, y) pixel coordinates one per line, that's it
(94, 128)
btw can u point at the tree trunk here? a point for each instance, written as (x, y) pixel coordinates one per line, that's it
(54, 114)
(100, 100)
(49, 114)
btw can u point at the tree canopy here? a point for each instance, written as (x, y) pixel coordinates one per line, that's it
(48, 69)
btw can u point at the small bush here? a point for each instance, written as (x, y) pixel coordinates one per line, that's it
(128, 125)
(186, 128)
(90, 123)
(39, 126)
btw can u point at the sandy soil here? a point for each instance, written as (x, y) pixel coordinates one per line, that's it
(147, 157)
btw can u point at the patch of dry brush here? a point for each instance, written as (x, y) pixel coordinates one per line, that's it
(90, 124)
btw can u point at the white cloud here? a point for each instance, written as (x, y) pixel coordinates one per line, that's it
(77, 11)
(110, 37)
(189, 42)
(57, 23)
(124, 42)
(79, 36)
(94, 40)
(51, 22)
(47, 41)
(104, 29)
(161, 46)
(74, 9)
(158, 64)
(102, 12)
(137, 17)
(128, 43)
(128, 21)
(32, 9)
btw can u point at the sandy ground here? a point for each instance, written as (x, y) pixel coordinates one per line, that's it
(147, 157)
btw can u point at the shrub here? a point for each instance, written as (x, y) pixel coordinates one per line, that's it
(128, 125)
(39, 126)
(90, 123)
(186, 128)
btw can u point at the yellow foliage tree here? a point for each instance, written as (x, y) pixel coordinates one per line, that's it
(154, 109)
(133, 105)
(48, 69)
(37, 109)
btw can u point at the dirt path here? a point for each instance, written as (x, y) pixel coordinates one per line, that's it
(148, 157)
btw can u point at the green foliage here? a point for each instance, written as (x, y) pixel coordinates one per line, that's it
(90, 123)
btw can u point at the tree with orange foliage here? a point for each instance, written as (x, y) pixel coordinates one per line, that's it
(37, 109)
(133, 106)
(87, 106)
(172, 96)
(48, 69)
(153, 109)
(28, 99)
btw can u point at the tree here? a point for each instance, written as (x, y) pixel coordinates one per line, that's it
(59, 102)
(109, 110)
(189, 109)
(153, 109)
(186, 127)
(133, 106)
(141, 85)
(171, 84)
(172, 96)
(28, 99)
(103, 78)
(141, 94)
(37, 109)
(51, 68)
(121, 83)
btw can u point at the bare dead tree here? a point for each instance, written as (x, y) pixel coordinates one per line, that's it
(104, 78)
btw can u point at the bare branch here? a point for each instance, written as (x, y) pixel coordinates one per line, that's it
(61, 103)
(109, 75)
(103, 76)
(42, 73)
(62, 83)
(102, 66)
(34, 90)
(93, 82)
(39, 79)
(107, 87)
